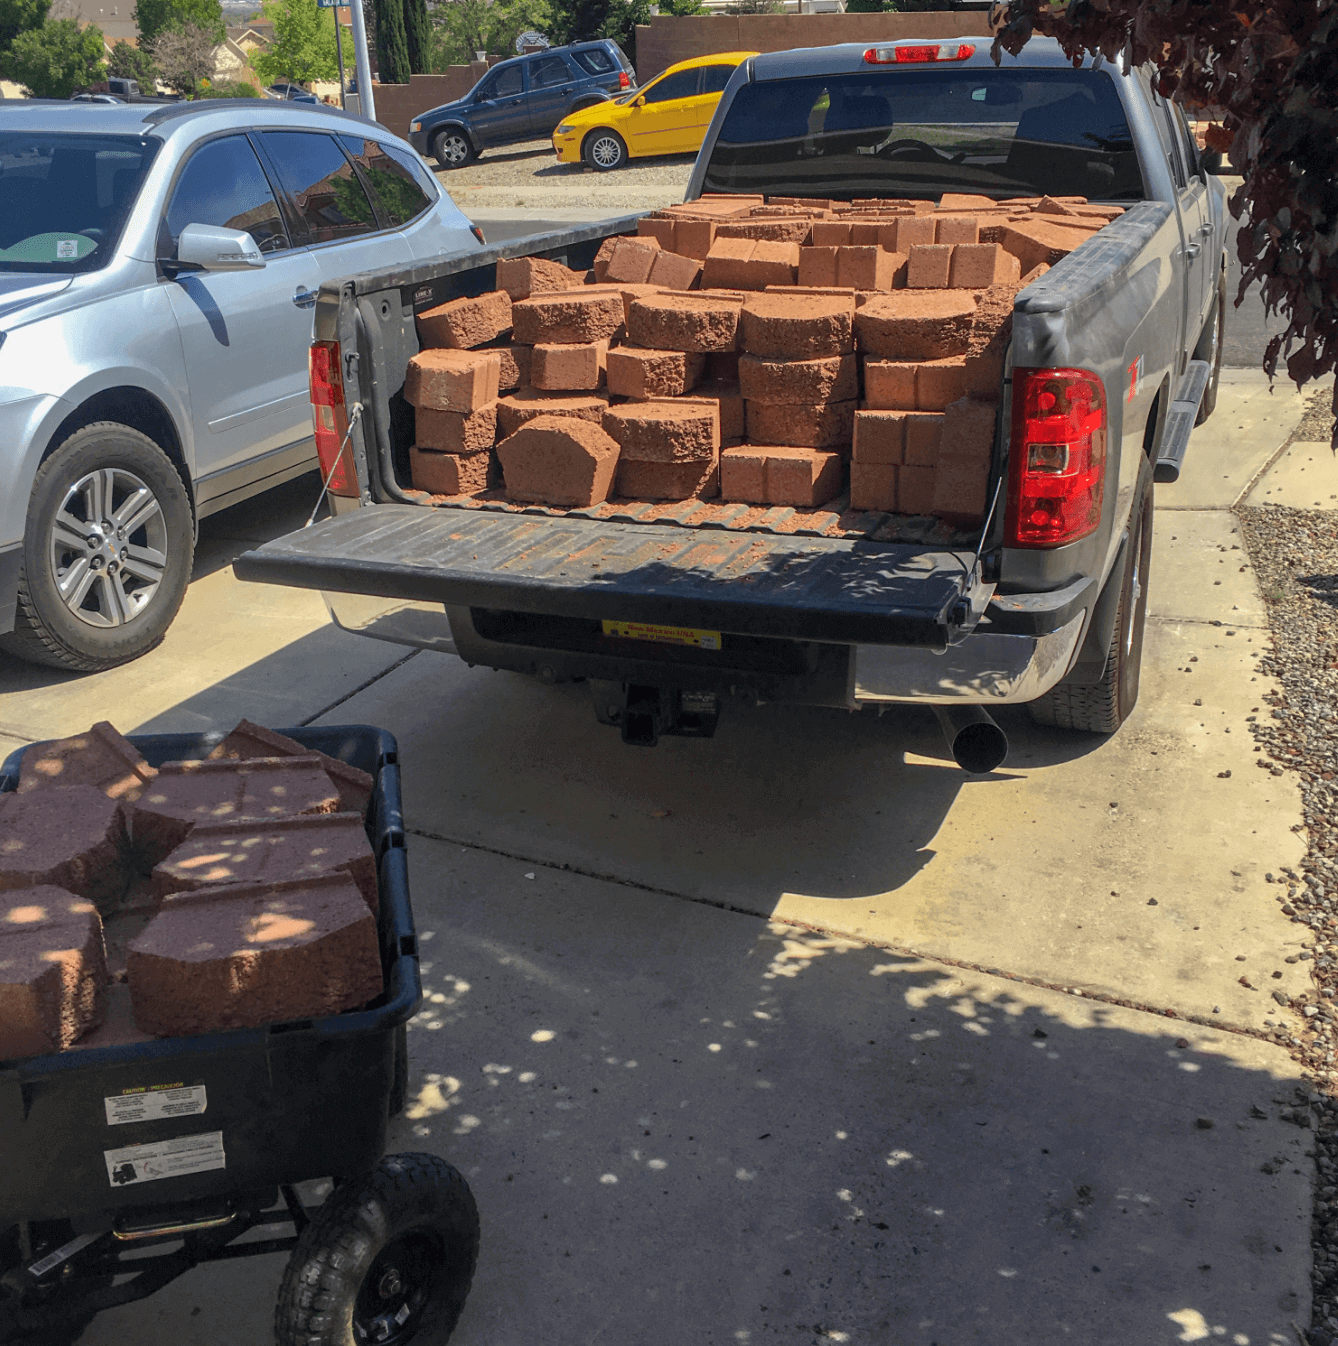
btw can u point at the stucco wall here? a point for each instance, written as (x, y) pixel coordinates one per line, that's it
(665, 40)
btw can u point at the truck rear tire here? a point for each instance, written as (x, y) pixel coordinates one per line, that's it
(107, 552)
(1102, 707)
(387, 1258)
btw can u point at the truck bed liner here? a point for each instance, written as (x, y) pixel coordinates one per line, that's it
(792, 587)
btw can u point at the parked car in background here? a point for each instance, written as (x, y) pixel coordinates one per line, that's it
(522, 99)
(95, 98)
(159, 267)
(292, 93)
(669, 116)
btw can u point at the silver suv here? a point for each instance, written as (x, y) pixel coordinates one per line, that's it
(159, 267)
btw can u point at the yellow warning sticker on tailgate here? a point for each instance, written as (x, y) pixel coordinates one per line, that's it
(666, 635)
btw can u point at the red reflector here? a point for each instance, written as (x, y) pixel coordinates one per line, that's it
(623, 81)
(478, 234)
(329, 419)
(1056, 457)
(899, 55)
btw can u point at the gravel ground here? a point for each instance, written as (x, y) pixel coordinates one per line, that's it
(528, 175)
(1295, 554)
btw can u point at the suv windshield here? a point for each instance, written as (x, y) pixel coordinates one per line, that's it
(65, 198)
(918, 133)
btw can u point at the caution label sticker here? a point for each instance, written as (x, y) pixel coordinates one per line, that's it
(154, 1102)
(165, 1159)
(666, 635)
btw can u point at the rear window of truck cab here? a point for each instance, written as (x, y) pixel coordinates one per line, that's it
(920, 132)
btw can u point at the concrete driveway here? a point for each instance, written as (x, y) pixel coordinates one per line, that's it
(799, 1033)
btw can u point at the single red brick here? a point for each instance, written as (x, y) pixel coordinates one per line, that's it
(772, 263)
(449, 473)
(600, 264)
(222, 790)
(514, 371)
(978, 266)
(874, 233)
(800, 327)
(453, 380)
(569, 368)
(634, 372)
(913, 231)
(693, 238)
(968, 430)
(915, 490)
(817, 266)
(809, 427)
(916, 325)
(1038, 240)
(464, 323)
(522, 277)
(954, 229)
(523, 406)
(454, 431)
(248, 741)
(100, 757)
(626, 291)
(938, 382)
(924, 434)
(572, 316)
(929, 267)
(269, 853)
(834, 378)
(795, 231)
(685, 322)
(243, 955)
(870, 268)
(743, 474)
(957, 201)
(729, 404)
(831, 233)
(1034, 274)
(559, 460)
(53, 971)
(1049, 206)
(889, 385)
(873, 486)
(673, 272)
(669, 431)
(779, 475)
(693, 480)
(880, 437)
(725, 264)
(73, 837)
(631, 260)
(660, 228)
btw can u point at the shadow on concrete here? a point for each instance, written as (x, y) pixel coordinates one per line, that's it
(685, 1124)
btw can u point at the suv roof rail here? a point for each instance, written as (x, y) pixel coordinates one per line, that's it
(202, 107)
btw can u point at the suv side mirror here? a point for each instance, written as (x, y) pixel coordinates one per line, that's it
(213, 248)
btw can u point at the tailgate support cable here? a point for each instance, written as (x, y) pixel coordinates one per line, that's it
(354, 412)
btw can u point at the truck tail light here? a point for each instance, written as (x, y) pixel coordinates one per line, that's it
(920, 52)
(1056, 457)
(623, 81)
(330, 420)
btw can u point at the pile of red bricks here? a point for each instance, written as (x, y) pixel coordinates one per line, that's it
(781, 352)
(226, 893)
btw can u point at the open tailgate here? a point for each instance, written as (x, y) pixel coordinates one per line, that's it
(845, 591)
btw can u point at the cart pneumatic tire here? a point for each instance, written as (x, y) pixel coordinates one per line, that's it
(388, 1258)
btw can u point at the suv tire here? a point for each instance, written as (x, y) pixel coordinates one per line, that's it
(1210, 349)
(107, 552)
(452, 148)
(604, 150)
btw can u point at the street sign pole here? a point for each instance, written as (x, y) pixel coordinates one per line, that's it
(339, 51)
(362, 63)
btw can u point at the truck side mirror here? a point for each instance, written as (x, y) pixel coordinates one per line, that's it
(1211, 161)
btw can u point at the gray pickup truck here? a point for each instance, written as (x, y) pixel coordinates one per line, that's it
(1051, 615)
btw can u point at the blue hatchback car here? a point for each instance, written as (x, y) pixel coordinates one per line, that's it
(522, 99)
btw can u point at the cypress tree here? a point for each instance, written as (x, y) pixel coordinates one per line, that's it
(392, 45)
(419, 34)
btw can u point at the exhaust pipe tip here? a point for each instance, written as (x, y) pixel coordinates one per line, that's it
(977, 744)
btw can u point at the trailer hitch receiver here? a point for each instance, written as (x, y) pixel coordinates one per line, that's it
(643, 713)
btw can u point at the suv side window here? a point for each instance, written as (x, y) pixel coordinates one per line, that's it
(680, 85)
(547, 71)
(1189, 146)
(393, 183)
(595, 61)
(224, 184)
(322, 182)
(504, 84)
(715, 77)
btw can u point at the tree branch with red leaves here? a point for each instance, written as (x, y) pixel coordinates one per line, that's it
(1269, 68)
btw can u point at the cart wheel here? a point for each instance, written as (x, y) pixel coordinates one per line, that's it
(386, 1259)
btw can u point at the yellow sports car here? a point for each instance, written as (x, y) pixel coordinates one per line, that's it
(669, 116)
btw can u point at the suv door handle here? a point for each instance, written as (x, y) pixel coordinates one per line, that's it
(304, 298)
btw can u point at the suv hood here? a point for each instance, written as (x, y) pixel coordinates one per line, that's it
(459, 105)
(19, 289)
